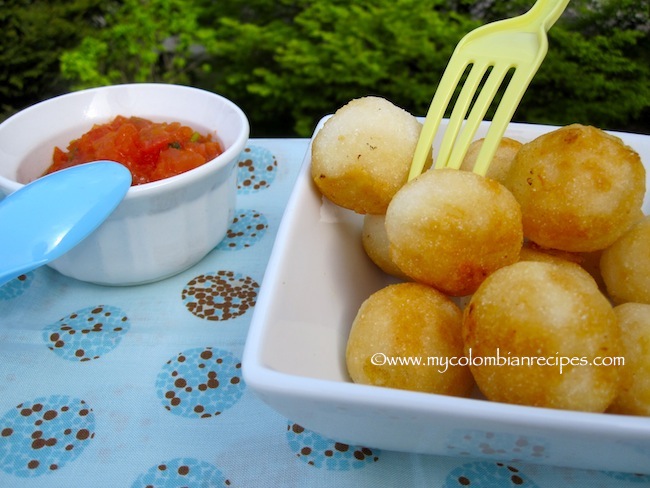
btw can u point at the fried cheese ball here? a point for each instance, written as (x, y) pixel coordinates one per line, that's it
(408, 322)
(533, 254)
(375, 242)
(634, 390)
(589, 261)
(625, 265)
(501, 162)
(450, 229)
(363, 153)
(579, 188)
(546, 322)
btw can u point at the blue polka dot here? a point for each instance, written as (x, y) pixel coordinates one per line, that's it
(87, 334)
(16, 287)
(200, 383)
(182, 472)
(321, 452)
(256, 169)
(44, 435)
(248, 227)
(487, 475)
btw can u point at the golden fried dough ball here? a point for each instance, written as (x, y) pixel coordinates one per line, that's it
(408, 322)
(450, 229)
(375, 243)
(362, 154)
(533, 253)
(536, 317)
(501, 162)
(589, 261)
(625, 265)
(634, 390)
(579, 188)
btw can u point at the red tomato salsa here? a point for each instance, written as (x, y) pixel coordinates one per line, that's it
(151, 151)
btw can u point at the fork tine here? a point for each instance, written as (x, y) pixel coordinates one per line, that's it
(506, 109)
(448, 82)
(459, 112)
(485, 98)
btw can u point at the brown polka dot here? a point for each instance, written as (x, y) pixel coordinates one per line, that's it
(53, 467)
(7, 431)
(162, 467)
(33, 464)
(305, 451)
(463, 481)
(517, 480)
(38, 443)
(83, 434)
(180, 383)
(183, 470)
(298, 429)
(50, 415)
(339, 446)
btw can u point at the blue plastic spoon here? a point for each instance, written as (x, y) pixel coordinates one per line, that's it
(46, 218)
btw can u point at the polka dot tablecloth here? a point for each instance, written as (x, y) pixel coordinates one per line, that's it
(142, 386)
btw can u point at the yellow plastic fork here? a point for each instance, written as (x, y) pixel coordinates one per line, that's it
(518, 44)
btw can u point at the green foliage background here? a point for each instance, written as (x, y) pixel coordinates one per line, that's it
(288, 63)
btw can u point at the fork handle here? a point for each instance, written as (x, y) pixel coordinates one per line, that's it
(546, 12)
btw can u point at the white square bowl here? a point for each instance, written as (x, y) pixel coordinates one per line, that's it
(294, 360)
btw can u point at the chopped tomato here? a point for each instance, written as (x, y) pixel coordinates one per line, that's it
(151, 151)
